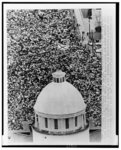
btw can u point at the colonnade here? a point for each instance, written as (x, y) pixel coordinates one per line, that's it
(61, 124)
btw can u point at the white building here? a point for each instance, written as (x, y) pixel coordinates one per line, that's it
(83, 21)
(60, 114)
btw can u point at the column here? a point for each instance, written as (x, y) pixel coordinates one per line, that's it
(82, 121)
(62, 122)
(79, 121)
(40, 122)
(51, 124)
(60, 125)
(35, 121)
(72, 123)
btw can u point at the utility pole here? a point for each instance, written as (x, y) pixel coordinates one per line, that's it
(89, 17)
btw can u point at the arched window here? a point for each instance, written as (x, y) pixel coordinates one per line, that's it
(67, 123)
(46, 123)
(37, 117)
(76, 121)
(37, 120)
(57, 80)
(56, 123)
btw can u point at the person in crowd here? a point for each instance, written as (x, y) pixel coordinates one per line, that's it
(33, 55)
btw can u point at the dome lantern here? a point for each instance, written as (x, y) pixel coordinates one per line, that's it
(58, 76)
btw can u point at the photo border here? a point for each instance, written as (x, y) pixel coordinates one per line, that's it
(117, 74)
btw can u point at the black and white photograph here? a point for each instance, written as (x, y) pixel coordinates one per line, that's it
(54, 61)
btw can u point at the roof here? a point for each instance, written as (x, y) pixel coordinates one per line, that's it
(58, 99)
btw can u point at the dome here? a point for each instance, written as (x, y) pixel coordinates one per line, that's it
(60, 108)
(59, 99)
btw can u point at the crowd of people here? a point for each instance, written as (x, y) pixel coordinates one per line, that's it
(39, 43)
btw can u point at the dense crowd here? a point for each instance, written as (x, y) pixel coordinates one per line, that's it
(39, 43)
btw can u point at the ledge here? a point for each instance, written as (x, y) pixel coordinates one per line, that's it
(61, 132)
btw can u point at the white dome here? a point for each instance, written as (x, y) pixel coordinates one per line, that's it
(58, 99)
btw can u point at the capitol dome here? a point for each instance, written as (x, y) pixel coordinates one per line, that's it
(60, 108)
(59, 99)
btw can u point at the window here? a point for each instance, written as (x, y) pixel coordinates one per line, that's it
(46, 123)
(56, 123)
(37, 120)
(75, 121)
(37, 117)
(67, 123)
(57, 80)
